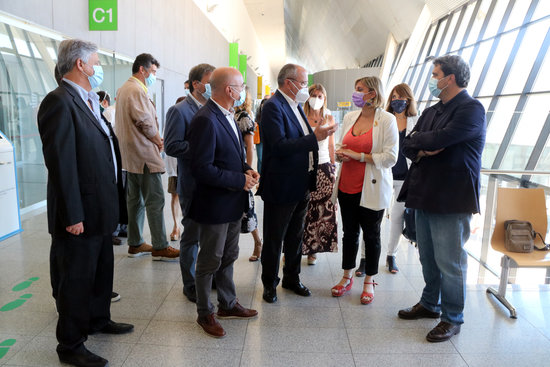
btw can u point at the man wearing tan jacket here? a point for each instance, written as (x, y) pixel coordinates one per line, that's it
(140, 145)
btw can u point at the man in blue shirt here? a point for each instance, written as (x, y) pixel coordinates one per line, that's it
(443, 186)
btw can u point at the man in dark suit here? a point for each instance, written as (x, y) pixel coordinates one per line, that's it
(223, 180)
(288, 175)
(443, 186)
(83, 160)
(176, 145)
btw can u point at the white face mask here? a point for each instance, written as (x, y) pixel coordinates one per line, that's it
(302, 95)
(316, 103)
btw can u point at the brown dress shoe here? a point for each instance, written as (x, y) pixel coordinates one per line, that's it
(417, 312)
(237, 312)
(141, 250)
(211, 326)
(443, 332)
(166, 254)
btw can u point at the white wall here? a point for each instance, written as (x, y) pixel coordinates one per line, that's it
(175, 32)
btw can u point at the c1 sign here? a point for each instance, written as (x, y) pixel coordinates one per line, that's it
(103, 15)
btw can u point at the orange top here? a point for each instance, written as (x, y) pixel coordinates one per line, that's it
(353, 172)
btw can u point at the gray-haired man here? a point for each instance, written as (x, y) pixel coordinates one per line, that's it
(83, 160)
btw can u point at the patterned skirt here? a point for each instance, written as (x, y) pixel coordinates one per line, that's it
(320, 229)
(250, 220)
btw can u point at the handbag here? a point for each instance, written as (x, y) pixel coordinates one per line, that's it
(409, 230)
(519, 236)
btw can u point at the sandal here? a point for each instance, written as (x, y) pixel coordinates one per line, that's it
(339, 290)
(256, 253)
(366, 297)
(392, 265)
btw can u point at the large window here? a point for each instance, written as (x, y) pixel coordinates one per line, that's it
(506, 43)
(27, 61)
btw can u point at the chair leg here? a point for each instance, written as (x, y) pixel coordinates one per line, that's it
(501, 294)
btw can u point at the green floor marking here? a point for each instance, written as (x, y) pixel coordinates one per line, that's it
(5, 347)
(15, 304)
(24, 285)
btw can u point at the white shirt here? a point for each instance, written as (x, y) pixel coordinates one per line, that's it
(230, 116)
(294, 106)
(199, 105)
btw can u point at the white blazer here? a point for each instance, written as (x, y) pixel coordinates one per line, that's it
(378, 181)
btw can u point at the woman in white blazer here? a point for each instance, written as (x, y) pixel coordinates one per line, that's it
(402, 105)
(367, 148)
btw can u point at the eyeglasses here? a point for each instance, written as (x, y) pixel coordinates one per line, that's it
(242, 86)
(301, 84)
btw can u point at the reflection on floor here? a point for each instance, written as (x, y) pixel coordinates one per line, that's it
(295, 331)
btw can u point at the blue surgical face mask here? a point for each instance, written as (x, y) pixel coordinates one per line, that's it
(242, 98)
(150, 80)
(186, 92)
(96, 78)
(432, 86)
(398, 105)
(207, 91)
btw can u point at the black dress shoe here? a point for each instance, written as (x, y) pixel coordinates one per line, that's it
(270, 294)
(297, 288)
(443, 332)
(191, 294)
(82, 358)
(417, 312)
(116, 328)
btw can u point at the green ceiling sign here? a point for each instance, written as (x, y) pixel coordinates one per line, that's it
(103, 15)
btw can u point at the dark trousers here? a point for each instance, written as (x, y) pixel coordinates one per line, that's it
(189, 246)
(355, 218)
(283, 229)
(81, 272)
(219, 248)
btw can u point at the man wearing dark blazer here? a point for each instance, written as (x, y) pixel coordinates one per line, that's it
(288, 175)
(223, 180)
(443, 186)
(83, 160)
(176, 145)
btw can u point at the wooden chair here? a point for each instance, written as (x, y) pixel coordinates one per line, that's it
(521, 204)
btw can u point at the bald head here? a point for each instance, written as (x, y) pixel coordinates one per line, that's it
(222, 77)
(226, 84)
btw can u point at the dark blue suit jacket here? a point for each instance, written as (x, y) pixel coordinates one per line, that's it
(218, 166)
(285, 178)
(178, 120)
(448, 182)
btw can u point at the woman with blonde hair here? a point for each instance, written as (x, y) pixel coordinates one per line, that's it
(367, 147)
(246, 125)
(320, 228)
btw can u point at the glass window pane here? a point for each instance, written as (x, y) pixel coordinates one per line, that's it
(466, 53)
(479, 63)
(518, 14)
(426, 47)
(478, 22)
(438, 37)
(527, 132)
(498, 124)
(4, 38)
(463, 25)
(446, 42)
(526, 56)
(542, 83)
(496, 18)
(542, 10)
(498, 62)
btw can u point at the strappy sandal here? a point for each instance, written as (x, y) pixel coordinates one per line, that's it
(367, 298)
(339, 290)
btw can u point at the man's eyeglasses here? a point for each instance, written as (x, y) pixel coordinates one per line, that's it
(301, 84)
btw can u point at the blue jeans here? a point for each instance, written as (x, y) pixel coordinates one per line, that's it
(441, 239)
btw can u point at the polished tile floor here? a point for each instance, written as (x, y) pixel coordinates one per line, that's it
(295, 331)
